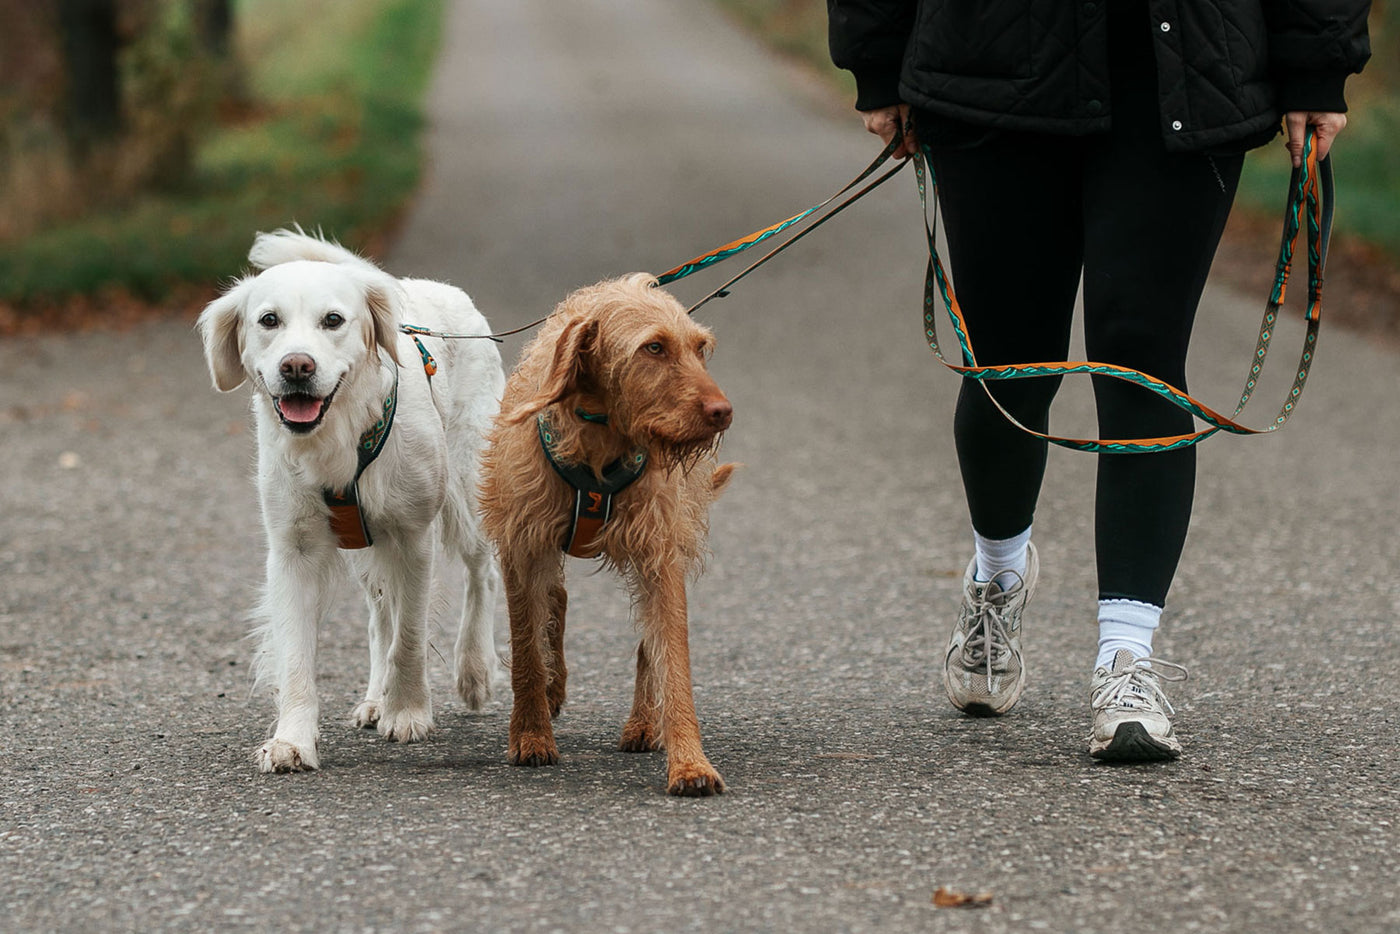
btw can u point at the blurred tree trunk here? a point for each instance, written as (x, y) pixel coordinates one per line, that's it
(214, 22)
(214, 25)
(101, 100)
(92, 103)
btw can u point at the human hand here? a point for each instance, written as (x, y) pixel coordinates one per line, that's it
(1327, 125)
(885, 121)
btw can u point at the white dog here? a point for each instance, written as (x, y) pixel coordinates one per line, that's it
(357, 441)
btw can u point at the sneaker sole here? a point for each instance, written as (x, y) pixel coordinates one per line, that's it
(1132, 743)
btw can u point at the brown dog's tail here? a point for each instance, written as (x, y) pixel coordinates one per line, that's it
(720, 478)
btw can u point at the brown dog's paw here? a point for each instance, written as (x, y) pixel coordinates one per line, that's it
(696, 780)
(533, 751)
(637, 736)
(555, 695)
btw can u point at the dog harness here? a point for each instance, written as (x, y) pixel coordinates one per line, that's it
(592, 497)
(347, 521)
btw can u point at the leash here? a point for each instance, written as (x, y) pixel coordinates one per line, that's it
(718, 254)
(1310, 205)
(724, 251)
(1303, 192)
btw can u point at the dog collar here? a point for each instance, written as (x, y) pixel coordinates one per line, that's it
(347, 521)
(592, 498)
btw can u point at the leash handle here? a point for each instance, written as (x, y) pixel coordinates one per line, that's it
(1304, 192)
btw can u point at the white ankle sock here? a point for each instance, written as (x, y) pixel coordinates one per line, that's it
(997, 556)
(1125, 624)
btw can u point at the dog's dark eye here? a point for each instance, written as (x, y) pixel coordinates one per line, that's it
(655, 348)
(332, 321)
(270, 320)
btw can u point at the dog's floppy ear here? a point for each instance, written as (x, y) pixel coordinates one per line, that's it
(561, 377)
(221, 326)
(382, 298)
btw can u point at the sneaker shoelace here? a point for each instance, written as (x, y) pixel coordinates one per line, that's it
(1138, 686)
(988, 641)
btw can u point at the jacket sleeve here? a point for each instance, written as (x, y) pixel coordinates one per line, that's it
(1313, 46)
(868, 38)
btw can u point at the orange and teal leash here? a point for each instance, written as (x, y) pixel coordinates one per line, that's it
(734, 247)
(1306, 182)
(1310, 207)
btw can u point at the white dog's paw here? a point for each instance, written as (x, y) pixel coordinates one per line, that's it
(278, 755)
(406, 726)
(365, 716)
(477, 682)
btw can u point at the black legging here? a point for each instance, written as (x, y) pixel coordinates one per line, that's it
(1024, 215)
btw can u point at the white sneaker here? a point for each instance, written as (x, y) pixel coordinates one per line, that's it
(983, 671)
(1131, 714)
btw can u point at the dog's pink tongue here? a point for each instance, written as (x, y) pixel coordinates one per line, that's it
(300, 408)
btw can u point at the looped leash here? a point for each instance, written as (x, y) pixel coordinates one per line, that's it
(1304, 190)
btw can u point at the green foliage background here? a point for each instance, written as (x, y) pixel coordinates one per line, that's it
(327, 135)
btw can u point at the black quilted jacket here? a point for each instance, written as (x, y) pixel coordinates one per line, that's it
(1226, 69)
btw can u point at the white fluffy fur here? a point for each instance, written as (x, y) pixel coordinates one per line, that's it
(423, 480)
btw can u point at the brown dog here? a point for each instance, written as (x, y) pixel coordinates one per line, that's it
(605, 447)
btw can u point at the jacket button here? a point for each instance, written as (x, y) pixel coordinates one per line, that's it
(1093, 106)
(1176, 124)
(1166, 27)
(1090, 9)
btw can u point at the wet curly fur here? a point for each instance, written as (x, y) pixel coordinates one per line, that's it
(627, 349)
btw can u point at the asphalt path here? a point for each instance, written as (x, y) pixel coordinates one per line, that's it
(574, 141)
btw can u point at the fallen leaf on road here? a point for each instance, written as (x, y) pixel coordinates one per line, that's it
(946, 898)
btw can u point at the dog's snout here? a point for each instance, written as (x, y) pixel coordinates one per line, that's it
(719, 412)
(296, 367)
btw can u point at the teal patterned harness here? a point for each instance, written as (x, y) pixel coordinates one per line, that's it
(347, 521)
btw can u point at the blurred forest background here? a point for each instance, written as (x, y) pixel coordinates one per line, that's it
(142, 142)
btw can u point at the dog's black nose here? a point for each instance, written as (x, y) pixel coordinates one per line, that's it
(297, 366)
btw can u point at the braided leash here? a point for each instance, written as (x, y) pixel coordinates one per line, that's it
(1304, 189)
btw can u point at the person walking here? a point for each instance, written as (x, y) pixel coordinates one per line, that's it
(1102, 140)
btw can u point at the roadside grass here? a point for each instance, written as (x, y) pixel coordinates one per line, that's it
(331, 140)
